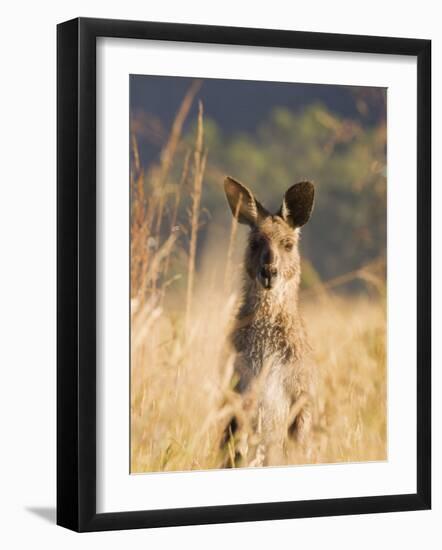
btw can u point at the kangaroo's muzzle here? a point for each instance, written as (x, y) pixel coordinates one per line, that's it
(267, 276)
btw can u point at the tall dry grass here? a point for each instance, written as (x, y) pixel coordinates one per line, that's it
(181, 369)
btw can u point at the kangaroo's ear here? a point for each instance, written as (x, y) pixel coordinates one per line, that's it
(243, 204)
(298, 202)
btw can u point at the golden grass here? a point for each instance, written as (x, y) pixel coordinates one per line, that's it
(181, 371)
(178, 384)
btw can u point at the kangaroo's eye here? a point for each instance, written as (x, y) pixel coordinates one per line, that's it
(288, 246)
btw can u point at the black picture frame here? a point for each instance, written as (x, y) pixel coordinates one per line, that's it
(77, 287)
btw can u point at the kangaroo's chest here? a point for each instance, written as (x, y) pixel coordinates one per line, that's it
(265, 344)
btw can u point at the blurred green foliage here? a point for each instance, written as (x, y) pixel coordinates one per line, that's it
(345, 158)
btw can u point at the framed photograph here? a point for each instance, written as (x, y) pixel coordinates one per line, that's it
(243, 274)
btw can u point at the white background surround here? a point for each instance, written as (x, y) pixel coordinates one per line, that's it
(117, 490)
(27, 292)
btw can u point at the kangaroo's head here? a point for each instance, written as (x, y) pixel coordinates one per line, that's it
(272, 255)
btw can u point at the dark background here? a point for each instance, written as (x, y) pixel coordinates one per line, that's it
(270, 135)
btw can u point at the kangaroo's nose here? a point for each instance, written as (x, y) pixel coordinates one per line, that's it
(268, 274)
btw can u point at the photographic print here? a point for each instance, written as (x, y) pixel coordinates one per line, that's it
(257, 274)
(228, 308)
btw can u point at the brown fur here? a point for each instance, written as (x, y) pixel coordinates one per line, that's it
(269, 336)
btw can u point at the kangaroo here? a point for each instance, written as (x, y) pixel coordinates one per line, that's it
(269, 339)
